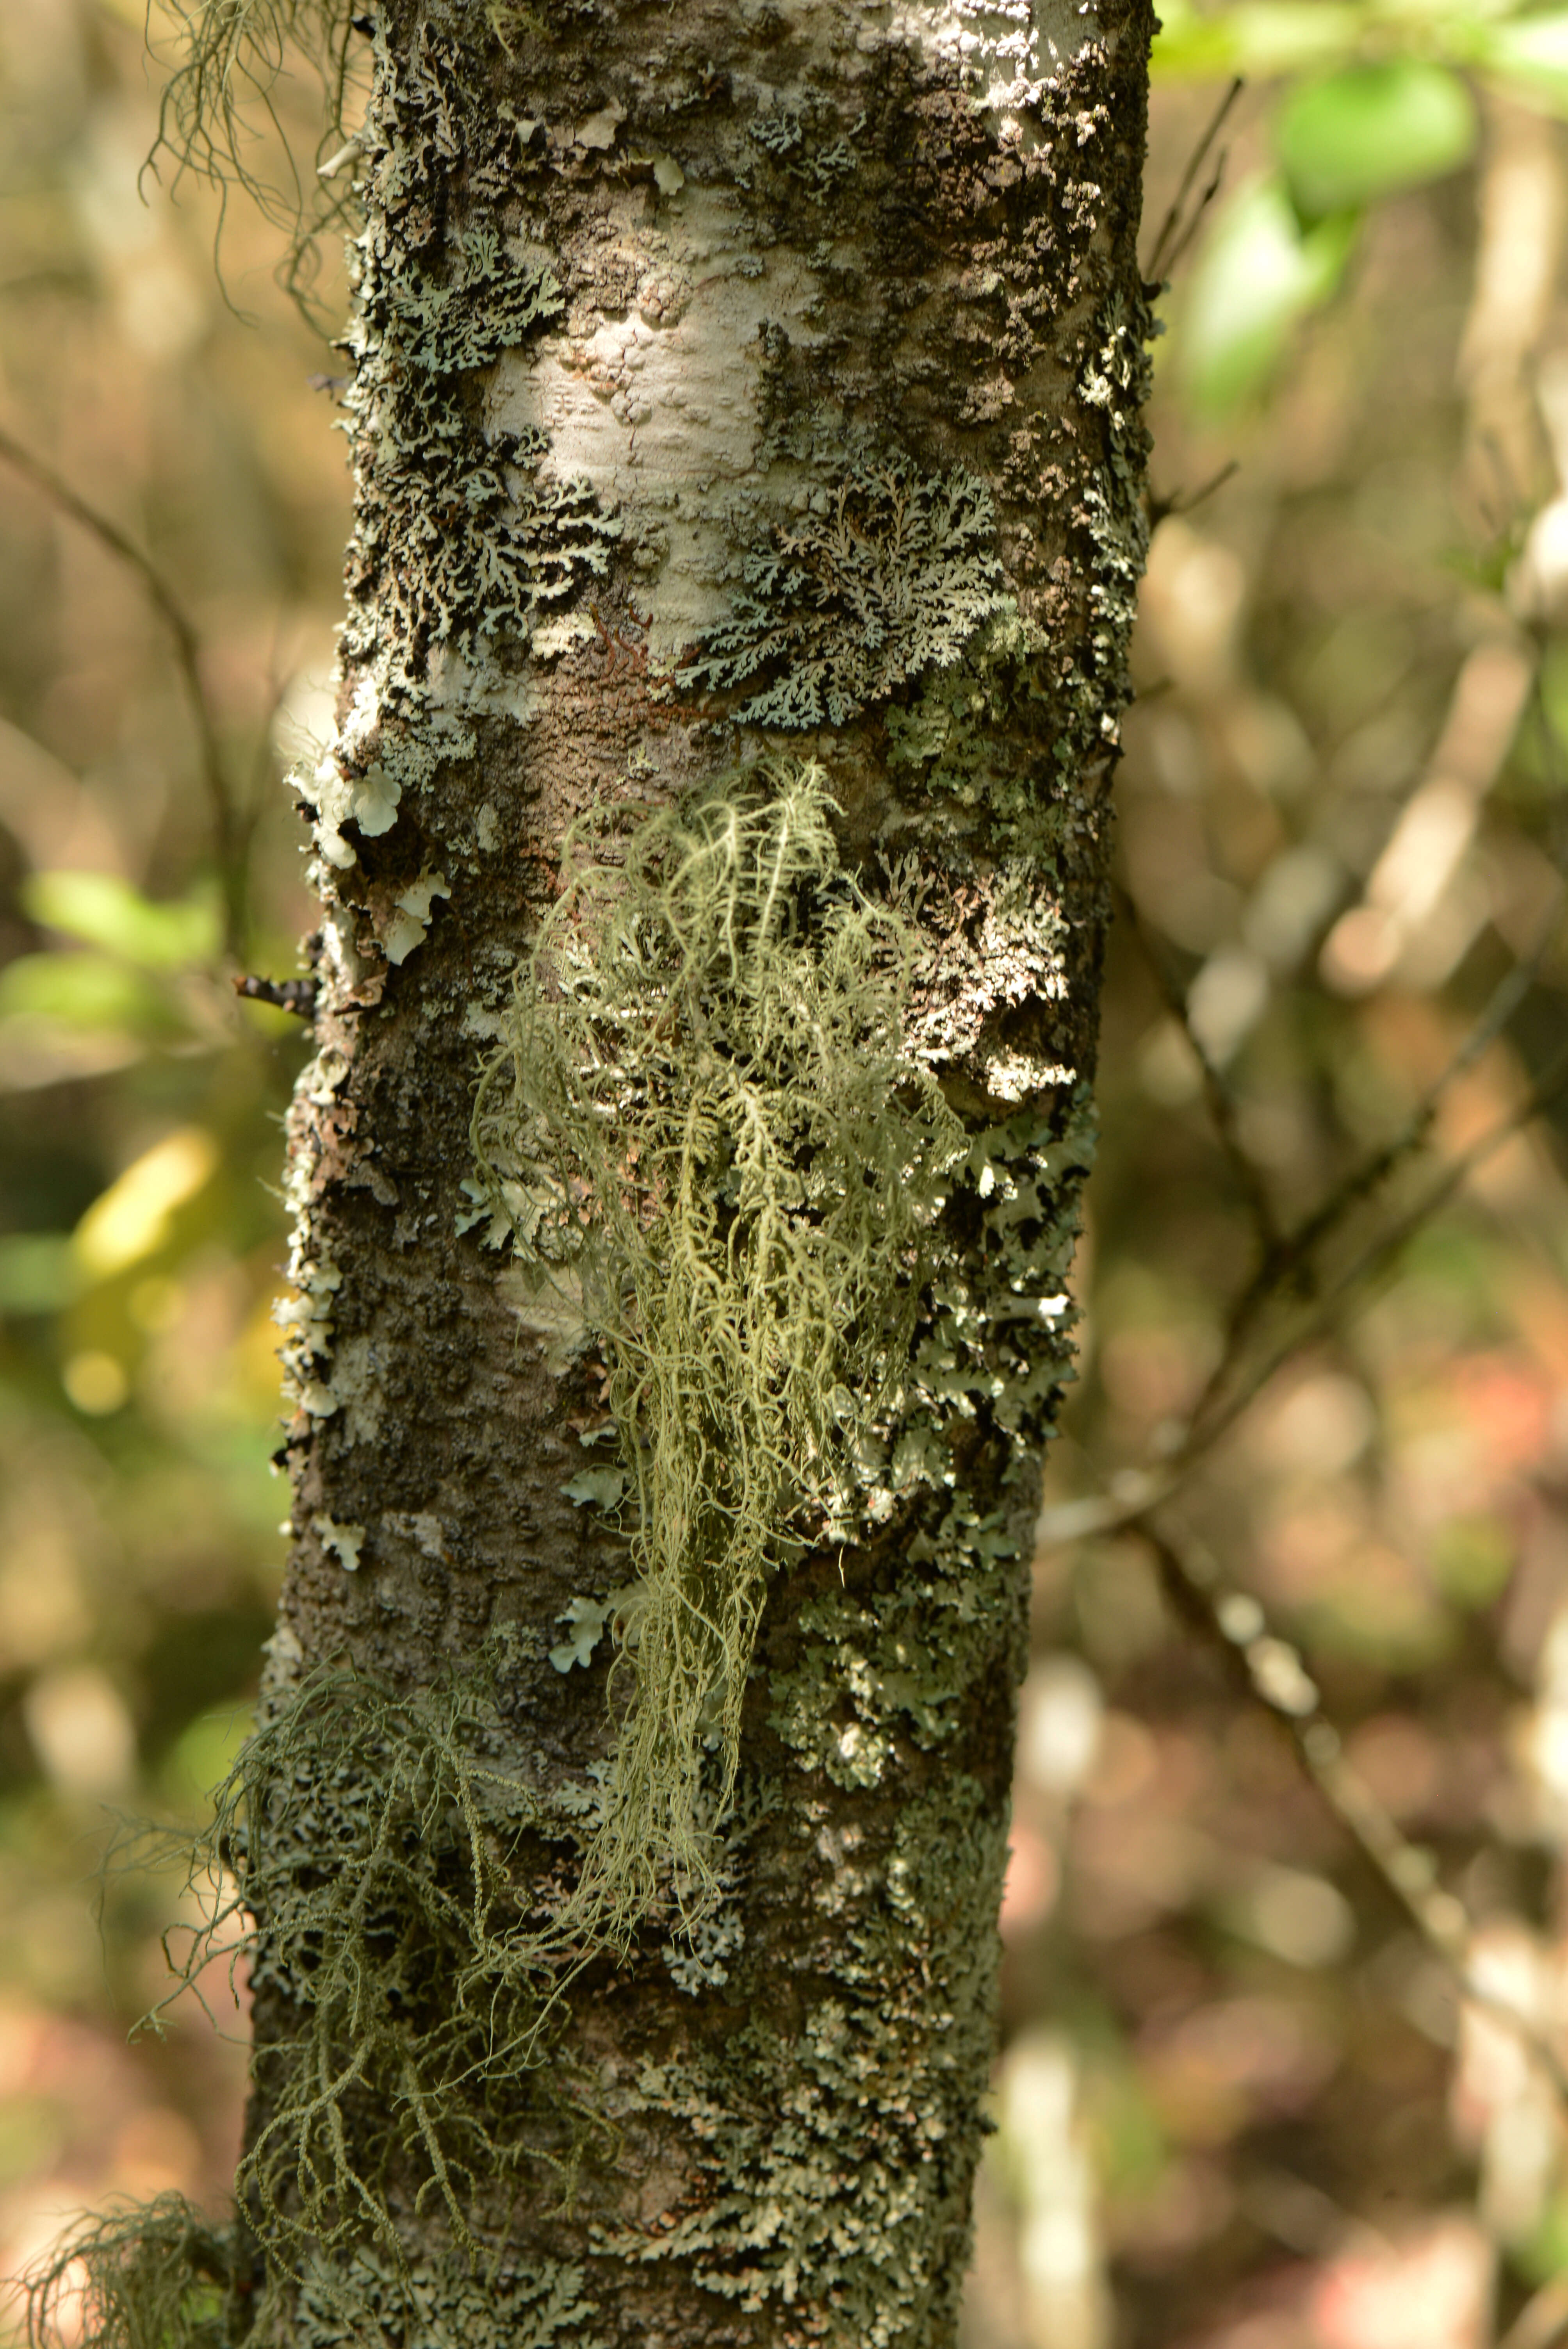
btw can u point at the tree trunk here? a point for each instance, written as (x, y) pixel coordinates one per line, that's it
(745, 422)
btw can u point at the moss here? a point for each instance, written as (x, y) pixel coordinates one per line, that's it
(892, 577)
(703, 1124)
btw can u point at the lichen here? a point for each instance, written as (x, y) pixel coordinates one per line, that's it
(959, 739)
(894, 577)
(375, 1867)
(456, 542)
(830, 1324)
(153, 2276)
(899, 1659)
(703, 1113)
(159, 2275)
(232, 53)
(425, 2304)
(839, 2156)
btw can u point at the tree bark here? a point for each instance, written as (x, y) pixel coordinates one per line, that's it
(740, 383)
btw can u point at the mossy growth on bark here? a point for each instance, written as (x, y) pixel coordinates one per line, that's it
(704, 1129)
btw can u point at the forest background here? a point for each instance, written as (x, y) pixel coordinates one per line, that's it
(1287, 2012)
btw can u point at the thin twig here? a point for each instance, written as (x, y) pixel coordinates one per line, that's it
(1271, 1673)
(1220, 1100)
(1291, 1265)
(1177, 252)
(1161, 263)
(1380, 1252)
(1184, 502)
(229, 844)
(1145, 1490)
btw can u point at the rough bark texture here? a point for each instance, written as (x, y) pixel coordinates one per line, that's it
(729, 379)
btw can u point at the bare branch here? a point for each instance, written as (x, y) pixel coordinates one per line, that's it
(1291, 1266)
(1174, 238)
(1271, 1672)
(1182, 502)
(1220, 1100)
(228, 839)
(1145, 1490)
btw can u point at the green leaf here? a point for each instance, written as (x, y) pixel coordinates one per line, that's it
(1370, 130)
(1259, 273)
(1268, 38)
(84, 990)
(105, 911)
(1530, 53)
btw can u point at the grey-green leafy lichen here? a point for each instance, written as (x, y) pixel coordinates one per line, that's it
(892, 577)
(840, 2155)
(456, 542)
(517, 2304)
(901, 1661)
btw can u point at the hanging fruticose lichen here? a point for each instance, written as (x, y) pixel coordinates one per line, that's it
(153, 2276)
(230, 56)
(704, 1129)
(364, 1864)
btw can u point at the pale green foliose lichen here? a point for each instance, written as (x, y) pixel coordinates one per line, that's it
(524, 2304)
(836, 609)
(456, 541)
(839, 2159)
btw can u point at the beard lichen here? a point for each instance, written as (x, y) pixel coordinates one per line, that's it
(161, 2276)
(157, 2276)
(231, 56)
(364, 1862)
(702, 1123)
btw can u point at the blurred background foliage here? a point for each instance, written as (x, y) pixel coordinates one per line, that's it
(1286, 2005)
